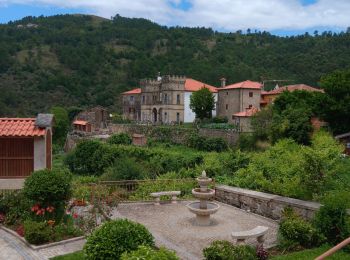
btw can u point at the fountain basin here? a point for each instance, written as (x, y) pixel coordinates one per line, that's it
(203, 215)
(203, 182)
(203, 194)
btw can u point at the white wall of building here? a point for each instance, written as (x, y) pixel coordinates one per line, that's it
(189, 115)
(39, 153)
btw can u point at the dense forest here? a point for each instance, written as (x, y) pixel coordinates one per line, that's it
(80, 60)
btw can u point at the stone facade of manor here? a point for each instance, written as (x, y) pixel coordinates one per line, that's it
(163, 100)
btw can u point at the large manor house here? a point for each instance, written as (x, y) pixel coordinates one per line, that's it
(166, 100)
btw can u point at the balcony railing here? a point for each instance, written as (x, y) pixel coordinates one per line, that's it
(334, 249)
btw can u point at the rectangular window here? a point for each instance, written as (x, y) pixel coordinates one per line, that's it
(250, 94)
(165, 116)
(165, 98)
(178, 117)
(131, 98)
(226, 106)
(178, 99)
(226, 93)
(143, 99)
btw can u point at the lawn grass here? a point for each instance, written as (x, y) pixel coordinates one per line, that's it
(79, 255)
(312, 254)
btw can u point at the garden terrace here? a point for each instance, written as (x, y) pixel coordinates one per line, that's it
(172, 226)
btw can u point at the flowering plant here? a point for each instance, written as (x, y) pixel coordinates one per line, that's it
(40, 211)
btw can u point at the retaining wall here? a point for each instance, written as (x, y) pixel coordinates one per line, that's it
(265, 204)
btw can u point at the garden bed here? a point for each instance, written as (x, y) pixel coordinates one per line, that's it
(38, 247)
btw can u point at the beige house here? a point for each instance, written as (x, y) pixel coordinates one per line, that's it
(243, 119)
(163, 100)
(238, 97)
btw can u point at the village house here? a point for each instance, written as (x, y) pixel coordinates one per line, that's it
(163, 100)
(268, 97)
(132, 104)
(235, 100)
(26, 145)
(91, 120)
(243, 119)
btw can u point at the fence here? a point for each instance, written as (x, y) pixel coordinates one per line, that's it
(114, 192)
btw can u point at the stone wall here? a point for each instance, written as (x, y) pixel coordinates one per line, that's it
(265, 204)
(229, 135)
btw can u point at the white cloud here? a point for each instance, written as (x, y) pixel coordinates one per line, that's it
(219, 14)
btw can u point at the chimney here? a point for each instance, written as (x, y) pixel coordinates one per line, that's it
(223, 82)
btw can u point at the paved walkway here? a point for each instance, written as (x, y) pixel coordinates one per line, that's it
(12, 248)
(172, 226)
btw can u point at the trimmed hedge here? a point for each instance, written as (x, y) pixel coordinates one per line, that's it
(115, 237)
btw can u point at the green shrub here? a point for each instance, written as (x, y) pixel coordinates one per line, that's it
(148, 253)
(246, 142)
(294, 232)
(237, 160)
(15, 206)
(122, 138)
(90, 157)
(64, 231)
(216, 144)
(37, 233)
(116, 237)
(49, 188)
(225, 250)
(124, 169)
(202, 143)
(332, 219)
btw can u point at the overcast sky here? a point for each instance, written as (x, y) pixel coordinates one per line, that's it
(281, 17)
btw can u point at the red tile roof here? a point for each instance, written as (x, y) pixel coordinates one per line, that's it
(133, 91)
(292, 88)
(194, 85)
(247, 113)
(244, 84)
(24, 127)
(80, 122)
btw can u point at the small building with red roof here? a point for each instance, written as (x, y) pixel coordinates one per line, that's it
(243, 119)
(238, 97)
(26, 145)
(163, 100)
(268, 97)
(91, 120)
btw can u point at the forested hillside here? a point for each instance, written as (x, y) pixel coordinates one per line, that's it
(78, 60)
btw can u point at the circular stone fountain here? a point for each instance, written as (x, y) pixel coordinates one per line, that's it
(203, 208)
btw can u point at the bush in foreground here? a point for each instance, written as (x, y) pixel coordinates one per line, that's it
(332, 219)
(49, 191)
(148, 253)
(295, 232)
(36, 233)
(114, 238)
(225, 250)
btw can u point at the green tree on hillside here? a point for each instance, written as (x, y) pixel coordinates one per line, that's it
(337, 104)
(61, 125)
(202, 103)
